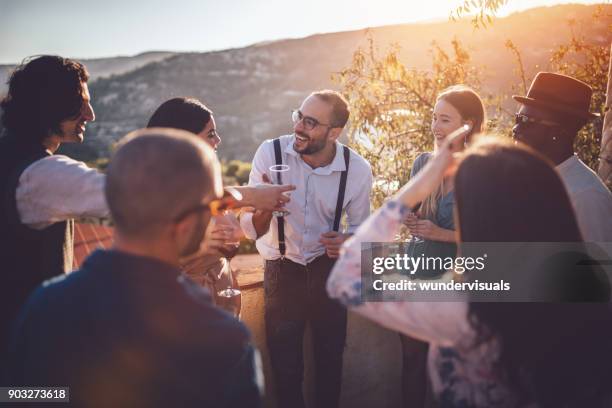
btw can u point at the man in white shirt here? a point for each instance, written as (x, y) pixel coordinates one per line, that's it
(47, 104)
(554, 110)
(297, 267)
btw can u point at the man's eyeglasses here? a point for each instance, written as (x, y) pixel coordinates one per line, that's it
(231, 198)
(522, 119)
(308, 122)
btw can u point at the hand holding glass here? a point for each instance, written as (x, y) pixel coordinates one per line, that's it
(411, 222)
(229, 250)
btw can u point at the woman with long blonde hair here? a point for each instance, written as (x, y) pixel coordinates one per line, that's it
(433, 224)
(455, 106)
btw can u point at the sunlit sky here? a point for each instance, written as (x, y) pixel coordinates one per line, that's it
(91, 29)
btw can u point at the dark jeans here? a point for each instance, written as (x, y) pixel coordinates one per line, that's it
(294, 295)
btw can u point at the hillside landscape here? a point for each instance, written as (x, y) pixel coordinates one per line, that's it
(253, 89)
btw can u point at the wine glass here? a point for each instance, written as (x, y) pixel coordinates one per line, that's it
(277, 172)
(229, 297)
(411, 220)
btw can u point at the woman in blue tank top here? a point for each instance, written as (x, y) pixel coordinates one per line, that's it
(433, 224)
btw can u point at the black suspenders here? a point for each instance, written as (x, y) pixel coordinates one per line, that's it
(280, 221)
(339, 204)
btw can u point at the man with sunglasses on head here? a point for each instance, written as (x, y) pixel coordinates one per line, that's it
(551, 115)
(129, 329)
(301, 247)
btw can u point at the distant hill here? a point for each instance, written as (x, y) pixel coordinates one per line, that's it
(253, 89)
(101, 67)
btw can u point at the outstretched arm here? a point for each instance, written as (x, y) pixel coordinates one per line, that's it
(58, 188)
(434, 322)
(257, 223)
(265, 197)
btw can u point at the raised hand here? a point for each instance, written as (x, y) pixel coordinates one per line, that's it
(426, 229)
(442, 164)
(266, 196)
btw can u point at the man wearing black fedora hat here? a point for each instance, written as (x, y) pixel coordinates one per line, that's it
(555, 109)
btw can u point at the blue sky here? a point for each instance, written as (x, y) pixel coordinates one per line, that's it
(89, 29)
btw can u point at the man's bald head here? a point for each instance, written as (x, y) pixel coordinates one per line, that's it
(155, 175)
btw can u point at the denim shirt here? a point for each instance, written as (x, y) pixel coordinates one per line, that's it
(444, 214)
(444, 218)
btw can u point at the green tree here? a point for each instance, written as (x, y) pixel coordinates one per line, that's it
(484, 11)
(236, 172)
(391, 104)
(588, 62)
(391, 108)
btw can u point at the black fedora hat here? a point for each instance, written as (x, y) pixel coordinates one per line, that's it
(560, 93)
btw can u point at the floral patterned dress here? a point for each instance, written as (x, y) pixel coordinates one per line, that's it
(462, 374)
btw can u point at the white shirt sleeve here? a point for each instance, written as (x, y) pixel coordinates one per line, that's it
(246, 223)
(358, 209)
(259, 167)
(442, 323)
(594, 214)
(58, 188)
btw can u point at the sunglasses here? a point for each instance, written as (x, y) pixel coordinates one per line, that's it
(308, 122)
(231, 199)
(522, 119)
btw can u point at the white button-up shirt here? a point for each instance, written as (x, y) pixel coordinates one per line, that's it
(591, 199)
(57, 188)
(313, 203)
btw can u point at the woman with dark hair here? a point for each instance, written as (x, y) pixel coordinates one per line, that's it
(188, 114)
(208, 267)
(496, 354)
(192, 115)
(433, 224)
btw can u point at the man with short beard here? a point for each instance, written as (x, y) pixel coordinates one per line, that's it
(129, 329)
(301, 248)
(47, 104)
